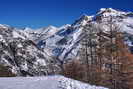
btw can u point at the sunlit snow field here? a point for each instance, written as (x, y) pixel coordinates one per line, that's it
(50, 82)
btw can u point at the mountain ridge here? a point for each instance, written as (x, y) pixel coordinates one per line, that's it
(32, 50)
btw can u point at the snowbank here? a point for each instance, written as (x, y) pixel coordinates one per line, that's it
(50, 82)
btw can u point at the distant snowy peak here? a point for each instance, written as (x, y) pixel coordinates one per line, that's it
(4, 26)
(50, 28)
(102, 13)
(107, 12)
(82, 20)
(28, 29)
(65, 26)
(110, 11)
(39, 30)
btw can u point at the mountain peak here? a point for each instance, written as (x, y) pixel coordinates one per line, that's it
(82, 19)
(27, 28)
(110, 12)
(51, 27)
(108, 9)
(4, 26)
(83, 16)
(64, 26)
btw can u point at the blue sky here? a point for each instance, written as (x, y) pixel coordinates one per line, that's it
(41, 13)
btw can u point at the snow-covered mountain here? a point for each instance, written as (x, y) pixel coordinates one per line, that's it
(64, 43)
(31, 51)
(21, 54)
(49, 82)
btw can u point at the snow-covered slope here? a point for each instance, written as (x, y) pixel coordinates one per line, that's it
(64, 43)
(50, 82)
(20, 54)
